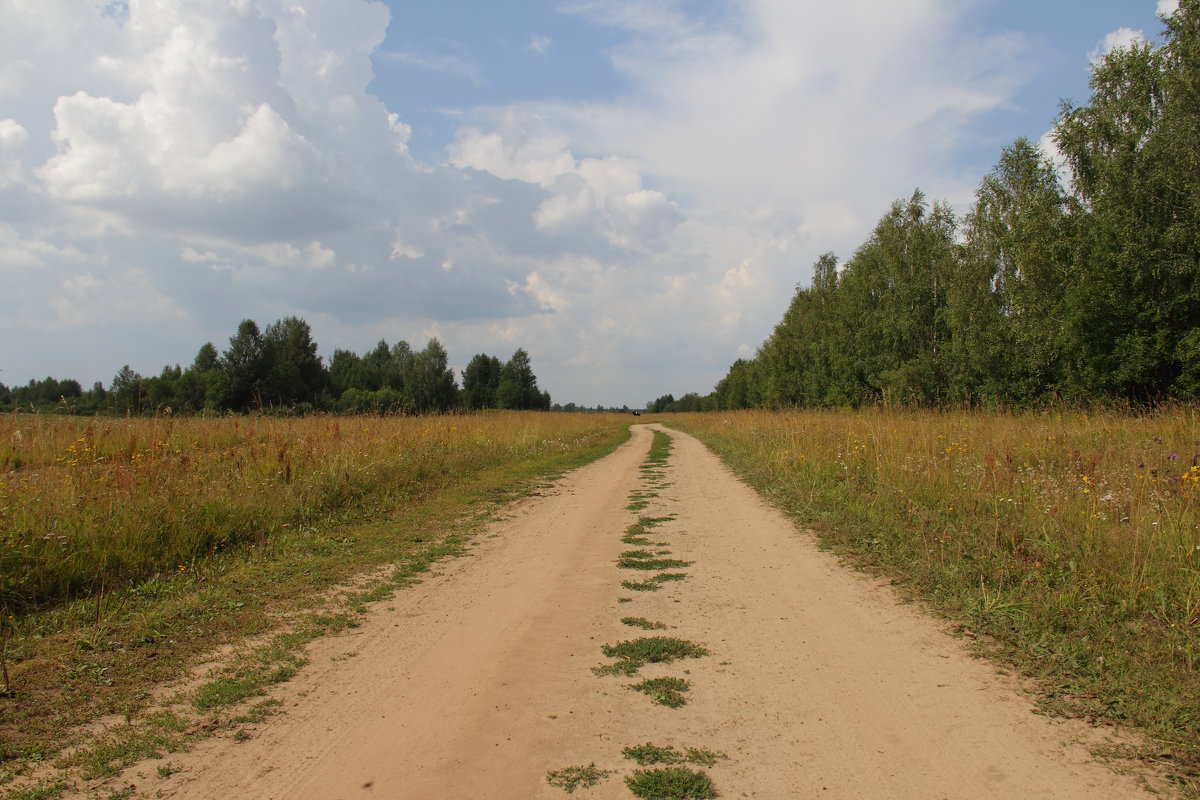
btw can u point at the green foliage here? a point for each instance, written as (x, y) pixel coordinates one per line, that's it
(481, 381)
(517, 388)
(278, 371)
(429, 381)
(670, 783)
(571, 778)
(664, 691)
(647, 562)
(649, 753)
(293, 370)
(634, 654)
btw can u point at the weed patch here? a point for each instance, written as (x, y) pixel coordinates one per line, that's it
(641, 586)
(634, 654)
(648, 754)
(664, 691)
(650, 562)
(643, 623)
(670, 783)
(571, 778)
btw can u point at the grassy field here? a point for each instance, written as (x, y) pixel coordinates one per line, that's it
(1068, 543)
(129, 548)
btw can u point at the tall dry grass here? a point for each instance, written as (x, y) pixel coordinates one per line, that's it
(1073, 538)
(95, 504)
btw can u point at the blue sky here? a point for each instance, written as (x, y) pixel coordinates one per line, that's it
(628, 189)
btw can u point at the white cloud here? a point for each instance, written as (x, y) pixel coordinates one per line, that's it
(1120, 39)
(186, 165)
(285, 255)
(13, 138)
(1167, 8)
(604, 198)
(91, 298)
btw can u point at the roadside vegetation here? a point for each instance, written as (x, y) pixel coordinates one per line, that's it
(1067, 542)
(130, 549)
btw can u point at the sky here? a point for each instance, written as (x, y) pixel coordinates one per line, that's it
(630, 190)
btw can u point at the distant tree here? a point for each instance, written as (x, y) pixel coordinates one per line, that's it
(293, 371)
(481, 381)
(207, 358)
(245, 365)
(162, 392)
(347, 371)
(736, 390)
(518, 385)
(127, 392)
(659, 405)
(429, 384)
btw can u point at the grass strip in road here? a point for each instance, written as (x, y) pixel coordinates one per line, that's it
(670, 783)
(649, 562)
(664, 691)
(649, 754)
(634, 654)
(649, 585)
(571, 778)
(643, 623)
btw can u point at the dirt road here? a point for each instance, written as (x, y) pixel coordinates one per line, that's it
(477, 682)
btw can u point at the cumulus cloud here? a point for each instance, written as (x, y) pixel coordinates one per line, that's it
(768, 141)
(1120, 39)
(13, 138)
(1167, 8)
(172, 166)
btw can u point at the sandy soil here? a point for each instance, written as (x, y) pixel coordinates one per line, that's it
(477, 682)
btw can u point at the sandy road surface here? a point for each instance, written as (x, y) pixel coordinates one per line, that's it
(477, 682)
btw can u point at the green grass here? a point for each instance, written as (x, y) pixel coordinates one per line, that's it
(119, 747)
(45, 790)
(667, 692)
(670, 783)
(634, 654)
(649, 585)
(643, 623)
(572, 778)
(649, 562)
(636, 533)
(649, 753)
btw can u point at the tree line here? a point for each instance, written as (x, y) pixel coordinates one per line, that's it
(278, 369)
(1077, 282)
